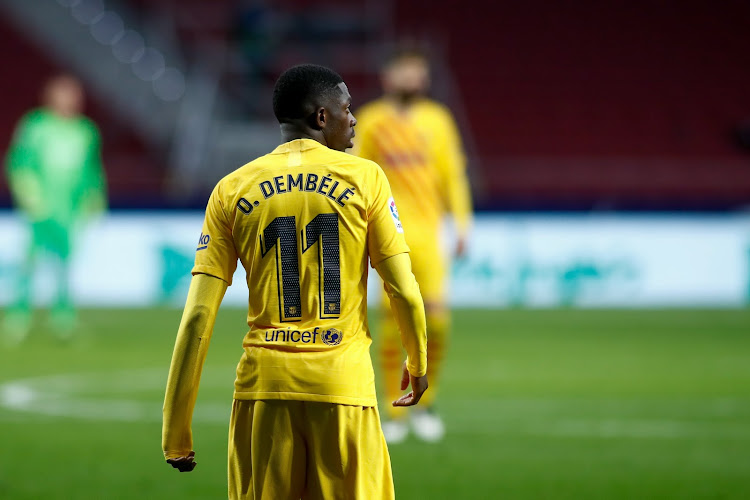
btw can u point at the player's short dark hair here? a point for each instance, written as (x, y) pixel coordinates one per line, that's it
(299, 87)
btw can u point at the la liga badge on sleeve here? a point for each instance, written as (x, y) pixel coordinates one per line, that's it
(394, 214)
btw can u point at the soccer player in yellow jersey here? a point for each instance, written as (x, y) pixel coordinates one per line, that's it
(416, 142)
(303, 221)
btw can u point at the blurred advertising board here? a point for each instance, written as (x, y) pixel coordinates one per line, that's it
(143, 259)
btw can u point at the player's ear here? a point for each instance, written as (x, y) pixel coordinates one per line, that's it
(320, 118)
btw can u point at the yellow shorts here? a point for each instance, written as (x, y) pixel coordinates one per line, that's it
(306, 450)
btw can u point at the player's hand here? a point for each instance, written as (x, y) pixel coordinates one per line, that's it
(460, 247)
(183, 464)
(418, 386)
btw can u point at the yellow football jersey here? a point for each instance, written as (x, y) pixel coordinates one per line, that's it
(303, 220)
(421, 153)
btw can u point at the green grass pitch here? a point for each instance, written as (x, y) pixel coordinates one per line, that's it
(538, 404)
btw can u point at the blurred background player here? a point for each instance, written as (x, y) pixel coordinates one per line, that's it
(56, 178)
(416, 141)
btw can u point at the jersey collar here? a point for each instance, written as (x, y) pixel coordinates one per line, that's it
(297, 145)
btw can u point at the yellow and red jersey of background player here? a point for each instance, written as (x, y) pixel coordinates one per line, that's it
(303, 220)
(420, 150)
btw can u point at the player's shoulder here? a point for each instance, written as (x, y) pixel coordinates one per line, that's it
(238, 176)
(347, 159)
(87, 122)
(351, 165)
(435, 109)
(246, 174)
(88, 125)
(358, 170)
(366, 173)
(34, 115)
(355, 164)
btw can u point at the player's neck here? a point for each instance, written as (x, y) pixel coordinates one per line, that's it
(292, 132)
(403, 102)
(63, 114)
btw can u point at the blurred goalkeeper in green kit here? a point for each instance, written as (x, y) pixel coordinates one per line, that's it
(56, 179)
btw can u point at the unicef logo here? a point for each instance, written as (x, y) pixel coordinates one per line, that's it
(332, 336)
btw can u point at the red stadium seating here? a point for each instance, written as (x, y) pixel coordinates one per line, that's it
(590, 104)
(609, 102)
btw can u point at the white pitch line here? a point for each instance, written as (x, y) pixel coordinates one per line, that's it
(82, 396)
(75, 396)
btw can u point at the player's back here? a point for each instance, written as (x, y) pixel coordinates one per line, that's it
(298, 221)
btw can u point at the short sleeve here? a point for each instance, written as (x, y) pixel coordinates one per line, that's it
(216, 254)
(385, 234)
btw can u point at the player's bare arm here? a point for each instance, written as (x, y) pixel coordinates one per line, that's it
(191, 346)
(408, 307)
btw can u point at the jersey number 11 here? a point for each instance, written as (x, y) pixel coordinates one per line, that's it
(282, 234)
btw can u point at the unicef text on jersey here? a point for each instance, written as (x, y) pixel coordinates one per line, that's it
(331, 336)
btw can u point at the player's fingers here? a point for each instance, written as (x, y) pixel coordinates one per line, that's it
(189, 456)
(183, 464)
(406, 400)
(404, 378)
(188, 466)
